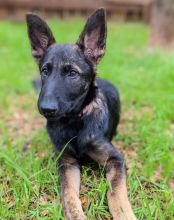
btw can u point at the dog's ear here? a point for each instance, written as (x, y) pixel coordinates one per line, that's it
(93, 37)
(39, 34)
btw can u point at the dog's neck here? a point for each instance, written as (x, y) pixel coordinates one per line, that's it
(90, 97)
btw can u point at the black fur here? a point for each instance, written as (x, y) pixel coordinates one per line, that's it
(80, 108)
(69, 84)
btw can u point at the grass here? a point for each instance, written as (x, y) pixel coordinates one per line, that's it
(29, 186)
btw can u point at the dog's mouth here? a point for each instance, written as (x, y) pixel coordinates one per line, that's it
(65, 110)
(52, 116)
(59, 116)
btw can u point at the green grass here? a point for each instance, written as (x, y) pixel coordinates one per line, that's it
(29, 186)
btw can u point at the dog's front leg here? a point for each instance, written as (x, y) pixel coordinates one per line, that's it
(103, 152)
(69, 174)
(118, 201)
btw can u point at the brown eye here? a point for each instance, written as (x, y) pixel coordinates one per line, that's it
(72, 73)
(45, 72)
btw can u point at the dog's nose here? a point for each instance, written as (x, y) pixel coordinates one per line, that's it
(48, 108)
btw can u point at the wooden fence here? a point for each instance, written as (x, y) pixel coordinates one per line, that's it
(124, 10)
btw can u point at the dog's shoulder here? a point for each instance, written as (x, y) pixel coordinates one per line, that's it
(107, 88)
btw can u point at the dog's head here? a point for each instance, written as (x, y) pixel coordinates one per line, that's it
(68, 70)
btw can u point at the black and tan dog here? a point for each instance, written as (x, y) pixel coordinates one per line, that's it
(81, 108)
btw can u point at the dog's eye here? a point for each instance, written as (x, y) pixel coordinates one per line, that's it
(72, 73)
(44, 72)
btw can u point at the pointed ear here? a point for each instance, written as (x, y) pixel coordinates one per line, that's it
(39, 34)
(93, 37)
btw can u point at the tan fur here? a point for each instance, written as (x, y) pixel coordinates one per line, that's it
(94, 154)
(118, 201)
(73, 64)
(70, 184)
(97, 105)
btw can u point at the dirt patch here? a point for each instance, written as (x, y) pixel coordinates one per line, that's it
(21, 117)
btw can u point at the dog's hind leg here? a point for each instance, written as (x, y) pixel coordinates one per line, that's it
(69, 174)
(104, 153)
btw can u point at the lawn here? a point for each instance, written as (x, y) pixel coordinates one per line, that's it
(29, 187)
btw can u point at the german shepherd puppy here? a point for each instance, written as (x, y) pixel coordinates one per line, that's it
(81, 110)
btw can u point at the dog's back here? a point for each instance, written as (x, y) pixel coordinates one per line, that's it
(113, 102)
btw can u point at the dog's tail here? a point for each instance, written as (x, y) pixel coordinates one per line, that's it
(36, 82)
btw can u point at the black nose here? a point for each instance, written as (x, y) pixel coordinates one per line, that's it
(48, 108)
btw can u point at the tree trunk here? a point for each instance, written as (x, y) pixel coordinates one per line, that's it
(162, 24)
